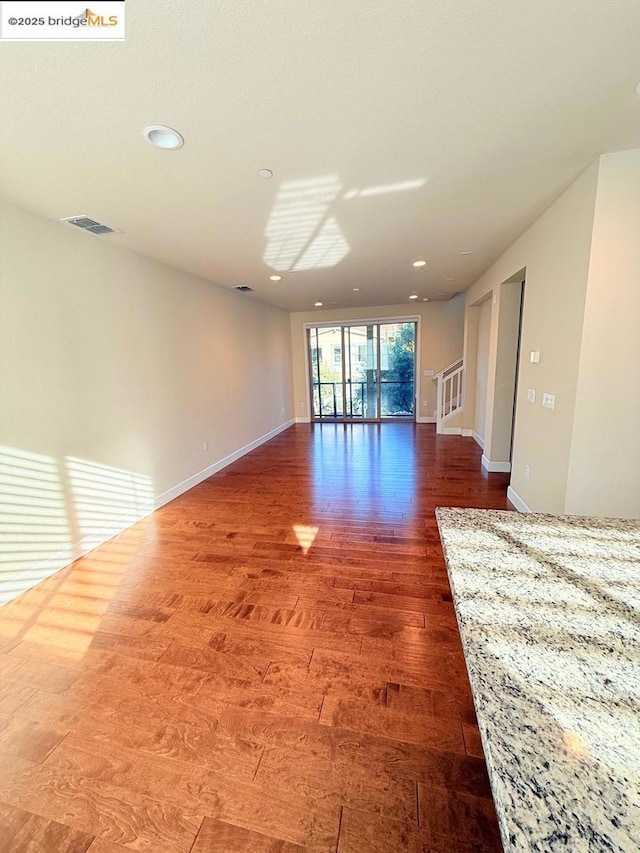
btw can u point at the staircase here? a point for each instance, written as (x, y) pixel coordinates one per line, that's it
(450, 386)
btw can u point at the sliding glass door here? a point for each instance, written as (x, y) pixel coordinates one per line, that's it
(363, 372)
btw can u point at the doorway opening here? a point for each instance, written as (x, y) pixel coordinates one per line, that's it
(363, 371)
(520, 300)
(508, 346)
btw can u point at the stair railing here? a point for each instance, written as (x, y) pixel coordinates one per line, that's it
(450, 389)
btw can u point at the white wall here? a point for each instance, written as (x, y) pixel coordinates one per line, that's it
(482, 367)
(582, 313)
(555, 252)
(122, 362)
(441, 325)
(604, 469)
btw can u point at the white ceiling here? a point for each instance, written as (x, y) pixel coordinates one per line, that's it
(395, 129)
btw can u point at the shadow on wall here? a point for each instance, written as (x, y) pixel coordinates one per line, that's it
(54, 511)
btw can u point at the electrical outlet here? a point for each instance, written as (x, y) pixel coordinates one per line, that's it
(302, 405)
(424, 402)
(205, 445)
(531, 395)
(527, 471)
(549, 401)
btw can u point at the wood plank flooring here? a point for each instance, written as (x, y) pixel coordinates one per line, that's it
(269, 663)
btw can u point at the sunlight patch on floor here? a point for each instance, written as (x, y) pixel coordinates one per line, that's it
(306, 535)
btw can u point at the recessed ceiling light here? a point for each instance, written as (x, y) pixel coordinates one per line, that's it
(449, 279)
(318, 304)
(275, 277)
(413, 296)
(163, 137)
(419, 262)
(355, 289)
(468, 252)
(425, 298)
(265, 173)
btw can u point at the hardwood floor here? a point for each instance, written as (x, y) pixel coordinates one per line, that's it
(269, 663)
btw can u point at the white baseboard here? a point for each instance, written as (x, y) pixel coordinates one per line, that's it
(426, 419)
(46, 568)
(517, 501)
(306, 420)
(495, 467)
(467, 432)
(451, 431)
(175, 491)
(477, 438)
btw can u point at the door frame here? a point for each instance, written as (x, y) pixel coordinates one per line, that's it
(366, 321)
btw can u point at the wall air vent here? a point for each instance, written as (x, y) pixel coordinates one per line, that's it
(243, 288)
(90, 225)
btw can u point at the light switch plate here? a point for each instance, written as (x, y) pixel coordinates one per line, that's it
(534, 358)
(531, 395)
(549, 401)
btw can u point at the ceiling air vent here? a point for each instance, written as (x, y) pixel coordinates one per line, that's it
(90, 225)
(244, 288)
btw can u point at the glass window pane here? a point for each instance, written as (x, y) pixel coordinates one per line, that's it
(397, 363)
(345, 371)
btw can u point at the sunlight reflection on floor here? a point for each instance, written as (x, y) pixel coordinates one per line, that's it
(306, 535)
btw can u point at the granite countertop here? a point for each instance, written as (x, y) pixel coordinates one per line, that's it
(549, 614)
